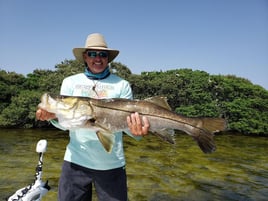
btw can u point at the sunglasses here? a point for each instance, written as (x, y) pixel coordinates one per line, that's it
(94, 54)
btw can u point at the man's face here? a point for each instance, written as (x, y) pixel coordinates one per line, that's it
(96, 60)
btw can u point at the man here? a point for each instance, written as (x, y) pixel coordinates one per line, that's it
(85, 160)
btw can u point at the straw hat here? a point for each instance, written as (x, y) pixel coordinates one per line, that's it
(95, 41)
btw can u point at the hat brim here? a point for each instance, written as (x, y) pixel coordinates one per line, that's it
(78, 53)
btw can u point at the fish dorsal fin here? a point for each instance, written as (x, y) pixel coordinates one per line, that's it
(160, 101)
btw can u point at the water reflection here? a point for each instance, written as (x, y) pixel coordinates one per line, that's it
(238, 170)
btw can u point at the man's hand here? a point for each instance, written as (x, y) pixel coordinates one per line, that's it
(44, 115)
(137, 125)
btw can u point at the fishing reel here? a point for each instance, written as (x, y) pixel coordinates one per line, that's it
(35, 191)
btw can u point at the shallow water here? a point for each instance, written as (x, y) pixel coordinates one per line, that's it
(238, 170)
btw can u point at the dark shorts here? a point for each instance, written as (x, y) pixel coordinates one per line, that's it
(76, 183)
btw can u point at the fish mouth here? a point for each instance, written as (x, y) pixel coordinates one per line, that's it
(52, 101)
(45, 101)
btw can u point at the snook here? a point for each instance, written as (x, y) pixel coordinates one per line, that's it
(107, 116)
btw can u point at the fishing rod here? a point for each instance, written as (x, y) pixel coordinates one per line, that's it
(36, 190)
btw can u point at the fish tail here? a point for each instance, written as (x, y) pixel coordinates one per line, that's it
(214, 124)
(205, 141)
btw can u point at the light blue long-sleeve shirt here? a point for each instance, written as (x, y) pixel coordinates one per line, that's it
(84, 147)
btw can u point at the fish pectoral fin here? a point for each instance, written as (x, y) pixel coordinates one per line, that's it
(165, 134)
(106, 138)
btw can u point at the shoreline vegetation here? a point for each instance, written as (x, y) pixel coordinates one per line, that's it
(192, 93)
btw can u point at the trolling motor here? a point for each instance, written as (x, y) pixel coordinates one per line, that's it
(35, 191)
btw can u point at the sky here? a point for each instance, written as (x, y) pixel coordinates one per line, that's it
(221, 37)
